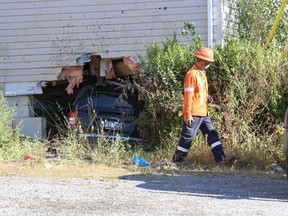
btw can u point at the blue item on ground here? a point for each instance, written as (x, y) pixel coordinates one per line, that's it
(139, 161)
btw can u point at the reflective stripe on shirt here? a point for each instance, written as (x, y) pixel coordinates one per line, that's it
(188, 89)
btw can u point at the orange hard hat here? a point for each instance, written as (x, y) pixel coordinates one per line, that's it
(205, 54)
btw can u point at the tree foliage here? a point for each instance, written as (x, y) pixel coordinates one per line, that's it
(256, 18)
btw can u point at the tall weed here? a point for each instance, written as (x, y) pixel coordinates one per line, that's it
(6, 130)
(256, 18)
(247, 83)
(11, 146)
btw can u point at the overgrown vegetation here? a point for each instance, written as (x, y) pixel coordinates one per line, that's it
(160, 85)
(248, 84)
(250, 87)
(11, 146)
(256, 19)
(6, 133)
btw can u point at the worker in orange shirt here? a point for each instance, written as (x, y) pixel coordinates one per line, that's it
(195, 111)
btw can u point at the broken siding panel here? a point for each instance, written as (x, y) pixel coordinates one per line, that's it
(42, 36)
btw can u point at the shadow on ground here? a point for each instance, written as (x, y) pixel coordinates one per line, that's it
(215, 186)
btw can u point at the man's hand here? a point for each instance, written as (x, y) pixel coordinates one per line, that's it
(188, 121)
(210, 99)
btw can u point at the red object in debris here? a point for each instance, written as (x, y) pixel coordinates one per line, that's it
(72, 119)
(31, 157)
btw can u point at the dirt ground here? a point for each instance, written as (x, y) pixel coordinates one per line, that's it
(131, 193)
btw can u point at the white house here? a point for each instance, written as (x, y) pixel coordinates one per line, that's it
(38, 38)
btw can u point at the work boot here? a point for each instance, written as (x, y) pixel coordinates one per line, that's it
(178, 156)
(227, 160)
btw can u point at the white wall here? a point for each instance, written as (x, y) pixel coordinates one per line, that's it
(38, 38)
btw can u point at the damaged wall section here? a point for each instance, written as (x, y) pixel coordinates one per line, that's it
(50, 38)
(52, 34)
(95, 72)
(101, 68)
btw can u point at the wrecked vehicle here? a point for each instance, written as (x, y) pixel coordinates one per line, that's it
(90, 98)
(105, 111)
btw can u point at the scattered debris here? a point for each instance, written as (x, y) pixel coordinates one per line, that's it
(275, 167)
(160, 163)
(30, 157)
(125, 66)
(139, 161)
(48, 166)
(74, 75)
(54, 154)
(84, 58)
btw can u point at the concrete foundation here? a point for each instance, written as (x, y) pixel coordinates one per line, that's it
(34, 127)
(22, 105)
(30, 126)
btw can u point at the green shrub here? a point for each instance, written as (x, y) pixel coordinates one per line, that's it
(11, 146)
(160, 84)
(9, 140)
(249, 87)
(6, 131)
(247, 81)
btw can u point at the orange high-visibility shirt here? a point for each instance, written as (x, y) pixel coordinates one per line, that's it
(195, 93)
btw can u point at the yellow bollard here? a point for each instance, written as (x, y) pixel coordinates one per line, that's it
(284, 54)
(276, 22)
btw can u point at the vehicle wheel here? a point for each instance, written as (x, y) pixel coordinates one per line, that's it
(286, 140)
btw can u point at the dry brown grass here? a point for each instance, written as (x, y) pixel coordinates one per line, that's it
(100, 171)
(52, 170)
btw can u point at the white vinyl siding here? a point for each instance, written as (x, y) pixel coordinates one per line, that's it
(38, 38)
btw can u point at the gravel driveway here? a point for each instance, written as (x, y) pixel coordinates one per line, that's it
(137, 194)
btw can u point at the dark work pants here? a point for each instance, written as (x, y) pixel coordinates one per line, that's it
(188, 134)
